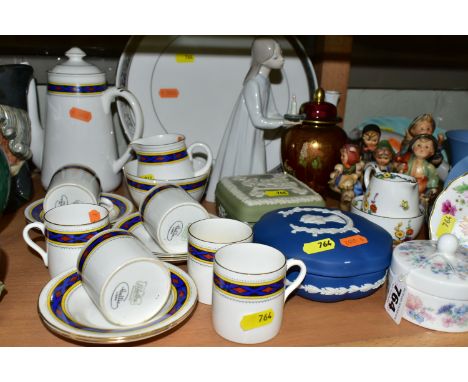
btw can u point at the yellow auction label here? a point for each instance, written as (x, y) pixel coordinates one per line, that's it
(446, 224)
(256, 320)
(184, 58)
(276, 193)
(318, 246)
(147, 176)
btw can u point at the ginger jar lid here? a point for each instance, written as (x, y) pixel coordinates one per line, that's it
(320, 112)
(438, 268)
(75, 70)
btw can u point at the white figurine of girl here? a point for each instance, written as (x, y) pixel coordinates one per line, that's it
(242, 149)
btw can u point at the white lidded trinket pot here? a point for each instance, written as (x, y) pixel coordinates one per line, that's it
(435, 274)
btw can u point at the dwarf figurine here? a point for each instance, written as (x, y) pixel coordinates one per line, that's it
(345, 178)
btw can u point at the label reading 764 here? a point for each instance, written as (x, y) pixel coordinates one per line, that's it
(396, 300)
(256, 320)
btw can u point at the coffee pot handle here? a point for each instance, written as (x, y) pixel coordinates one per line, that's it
(113, 93)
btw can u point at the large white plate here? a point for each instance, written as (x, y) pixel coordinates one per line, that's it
(206, 73)
(67, 310)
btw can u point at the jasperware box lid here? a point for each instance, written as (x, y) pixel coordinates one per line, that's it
(438, 268)
(248, 197)
(331, 242)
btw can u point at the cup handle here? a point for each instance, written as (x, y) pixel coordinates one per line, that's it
(112, 93)
(32, 244)
(300, 277)
(209, 157)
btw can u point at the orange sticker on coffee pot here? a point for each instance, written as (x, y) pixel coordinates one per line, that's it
(80, 114)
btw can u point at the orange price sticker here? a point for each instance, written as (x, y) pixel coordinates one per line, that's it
(80, 114)
(353, 241)
(168, 93)
(94, 216)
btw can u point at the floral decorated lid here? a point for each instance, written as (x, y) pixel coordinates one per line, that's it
(438, 268)
(331, 242)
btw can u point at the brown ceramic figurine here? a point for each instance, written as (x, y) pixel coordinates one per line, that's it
(310, 150)
(345, 178)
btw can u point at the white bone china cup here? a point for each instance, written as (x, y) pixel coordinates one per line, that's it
(125, 281)
(166, 212)
(74, 184)
(249, 291)
(67, 229)
(205, 237)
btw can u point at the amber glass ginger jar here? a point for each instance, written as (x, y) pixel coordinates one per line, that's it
(310, 150)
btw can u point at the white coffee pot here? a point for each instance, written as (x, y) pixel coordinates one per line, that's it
(79, 128)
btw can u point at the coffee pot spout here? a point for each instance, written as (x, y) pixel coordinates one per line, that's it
(37, 133)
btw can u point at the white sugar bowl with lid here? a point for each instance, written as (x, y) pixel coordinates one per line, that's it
(436, 277)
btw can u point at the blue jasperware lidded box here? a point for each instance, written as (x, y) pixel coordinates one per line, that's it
(347, 256)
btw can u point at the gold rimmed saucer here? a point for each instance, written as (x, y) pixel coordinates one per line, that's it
(67, 310)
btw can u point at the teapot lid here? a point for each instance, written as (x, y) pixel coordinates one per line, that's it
(319, 111)
(76, 69)
(438, 268)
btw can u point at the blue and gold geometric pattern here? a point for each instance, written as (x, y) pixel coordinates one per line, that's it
(127, 225)
(248, 290)
(72, 239)
(162, 158)
(201, 254)
(76, 89)
(187, 186)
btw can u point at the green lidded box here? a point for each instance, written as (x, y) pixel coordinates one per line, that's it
(247, 198)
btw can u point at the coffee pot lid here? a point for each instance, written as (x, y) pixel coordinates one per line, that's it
(438, 268)
(77, 67)
(320, 111)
